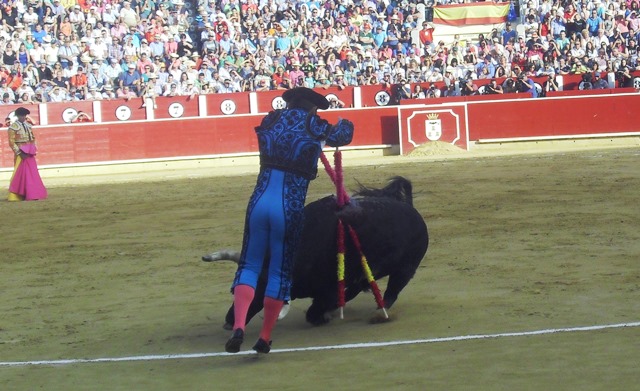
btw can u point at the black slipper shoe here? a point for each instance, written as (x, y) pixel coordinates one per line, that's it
(233, 344)
(262, 346)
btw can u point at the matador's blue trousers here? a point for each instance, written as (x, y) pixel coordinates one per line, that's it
(273, 224)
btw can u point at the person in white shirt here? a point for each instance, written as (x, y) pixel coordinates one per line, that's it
(162, 73)
(108, 93)
(435, 76)
(99, 49)
(144, 48)
(36, 52)
(93, 17)
(50, 52)
(227, 86)
(599, 39)
(156, 47)
(72, 69)
(58, 94)
(25, 88)
(101, 31)
(113, 71)
(75, 94)
(102, 66)
(94, 78)
(43, 89)
(216, 81)
(225, 71)
(58, 10)
(190, 90)
(499, 47)
(30, 18)
(175, 67)
(109, 15)
(76, 17)
(93, 94)
(192, 73)
(128, 15)
(19, 33)
(171, 89)
(68, 53)
(6, 99)
(206, 70)
(157, 87)
(6, 90)
(30, 74)
(149, 92)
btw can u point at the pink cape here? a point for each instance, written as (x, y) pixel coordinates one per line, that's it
(26, 180)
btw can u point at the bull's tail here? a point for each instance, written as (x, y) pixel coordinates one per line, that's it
(223, 255)
(398, 188)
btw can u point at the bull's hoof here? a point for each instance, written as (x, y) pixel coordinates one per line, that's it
(380, 317)
(228, 326)
(317, 317)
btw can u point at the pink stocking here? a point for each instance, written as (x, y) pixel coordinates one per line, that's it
(272, 309)
(242, 297)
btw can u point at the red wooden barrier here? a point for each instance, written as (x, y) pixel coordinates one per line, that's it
(223, 123)
(518, 119)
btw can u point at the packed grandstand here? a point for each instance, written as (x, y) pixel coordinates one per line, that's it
(65, 50)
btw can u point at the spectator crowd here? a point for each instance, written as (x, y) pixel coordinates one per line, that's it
(65, 50)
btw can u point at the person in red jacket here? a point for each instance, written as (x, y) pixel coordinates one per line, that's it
(79, 80)
(426, 34)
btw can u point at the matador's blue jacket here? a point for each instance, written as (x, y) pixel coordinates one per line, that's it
(290, 142)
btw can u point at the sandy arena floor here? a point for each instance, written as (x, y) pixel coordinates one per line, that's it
(523, 238)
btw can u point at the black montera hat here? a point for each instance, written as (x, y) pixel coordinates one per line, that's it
(22, 111)
(303, 96)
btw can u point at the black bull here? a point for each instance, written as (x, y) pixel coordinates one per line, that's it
(392, 234)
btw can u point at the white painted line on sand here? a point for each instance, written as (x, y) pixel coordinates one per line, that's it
(317, 348)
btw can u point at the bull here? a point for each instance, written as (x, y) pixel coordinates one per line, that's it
(393, 236)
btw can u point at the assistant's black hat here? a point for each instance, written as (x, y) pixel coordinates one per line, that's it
(22, 111)
(304, 97)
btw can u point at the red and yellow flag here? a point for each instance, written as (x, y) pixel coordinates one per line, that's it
(470, 14)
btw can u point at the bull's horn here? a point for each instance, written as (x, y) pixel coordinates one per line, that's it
(224, 255)
(284, 311)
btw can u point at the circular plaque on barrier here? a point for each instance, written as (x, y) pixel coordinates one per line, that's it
(382, 98)
(228, 106)
(69, 114)
(123, 113)
(278, 103)
(636, 83)
(176, 110)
